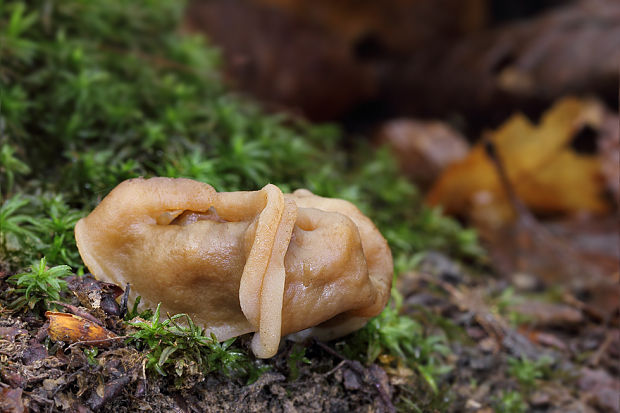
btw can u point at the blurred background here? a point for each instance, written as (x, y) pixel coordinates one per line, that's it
(472, 62)
(432, 80)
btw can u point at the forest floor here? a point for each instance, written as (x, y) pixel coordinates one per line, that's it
(533, 326)
(513, 348)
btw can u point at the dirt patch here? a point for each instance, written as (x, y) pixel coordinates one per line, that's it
(494, 362)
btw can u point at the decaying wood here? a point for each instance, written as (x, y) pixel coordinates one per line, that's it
(415, 56)
(325, 57)
(569, 50)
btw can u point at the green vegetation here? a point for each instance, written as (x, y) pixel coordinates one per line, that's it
(504, 303)
(36, 226)
(134, 312)
(16, 235)
(527, 371)
(94, 93)
(10, 166)
(86, 105)
(39, 285)
(405, 340)
(510, 402)
(91, 355)
(296, 356)
(183, 349)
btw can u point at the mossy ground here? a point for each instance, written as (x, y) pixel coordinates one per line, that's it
(490, 364)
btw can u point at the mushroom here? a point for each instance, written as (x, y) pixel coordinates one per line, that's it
(240, 262)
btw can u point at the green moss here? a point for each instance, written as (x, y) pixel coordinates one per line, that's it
(405, 340)
(38, 286)
(95, 93)
(510, 401)
(296, 356)
(527, 371)
(178, 346)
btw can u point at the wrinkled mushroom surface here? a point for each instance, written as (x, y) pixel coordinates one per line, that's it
(240, 262)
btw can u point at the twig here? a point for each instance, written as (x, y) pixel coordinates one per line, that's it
(493, 325)
(338, 366)
(520, 209)
(67, 382)
(79, 312)
(97, 341)
(563, 250)
(124, 300)
(37, 397)
(328, 349)
(144, 381)
(596, 357)
(592, 312)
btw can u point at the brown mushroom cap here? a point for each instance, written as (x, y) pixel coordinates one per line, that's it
(240, 262)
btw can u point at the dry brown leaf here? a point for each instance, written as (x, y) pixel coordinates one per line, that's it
(71, 329)
(11, 400)
(423, 149)
(547, 174)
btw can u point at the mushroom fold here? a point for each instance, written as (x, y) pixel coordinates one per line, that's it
(240, 262)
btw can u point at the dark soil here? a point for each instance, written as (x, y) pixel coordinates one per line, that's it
(579, 376)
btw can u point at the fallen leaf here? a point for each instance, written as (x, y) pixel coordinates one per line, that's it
(94, 294)
(34, 352)
(70, 328)
(9, 333)
(609, 151)
(546, 339)
(108, 392)
(11, 401)
(552, 394)
(547, 174)
(581, 256)
(548, 314)
(423, 149)
(351, 380)
(602, 387)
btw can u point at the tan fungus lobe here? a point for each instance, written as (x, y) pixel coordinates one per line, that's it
(239, 262)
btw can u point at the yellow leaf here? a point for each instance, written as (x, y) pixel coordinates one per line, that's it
(547, 174)
(70, 328)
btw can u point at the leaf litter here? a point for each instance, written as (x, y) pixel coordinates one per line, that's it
(497, 360)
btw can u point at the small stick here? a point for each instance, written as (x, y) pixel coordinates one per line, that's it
(68, 381)
(339, 365)
(79, 312)
(515, 201)
(563, 250)
(328, 349)
(97, 341)
(596, 357)
(124, 300)
(493, 325)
